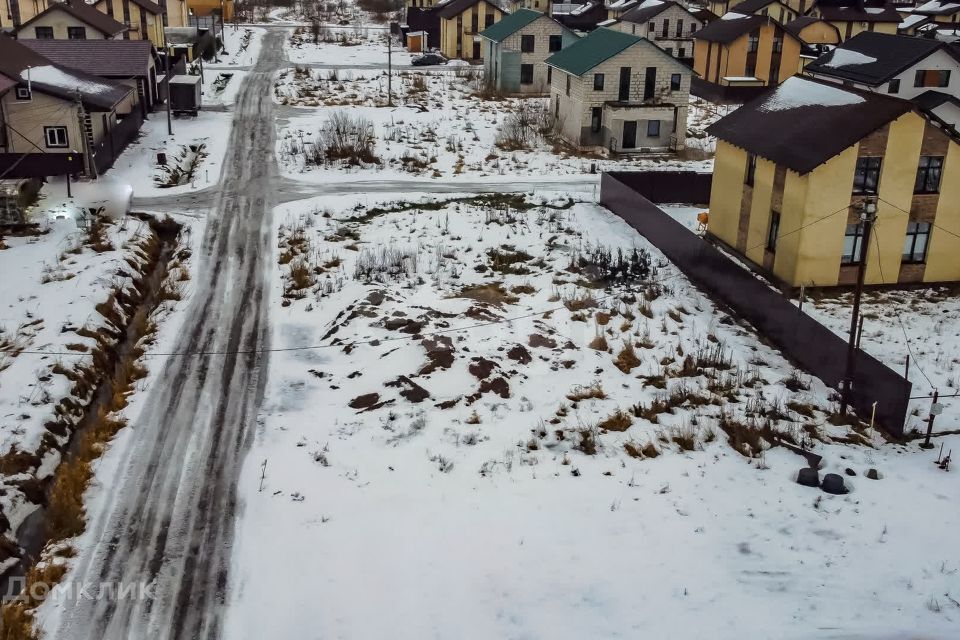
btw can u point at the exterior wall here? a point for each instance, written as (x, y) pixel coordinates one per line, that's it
(816, 208)
(210, 7)
(27, 9)
(460, 30)
(714, 61)
(59, 21)
(512, 57)
(178, 14)
(574, 121)
(420, 4)
(672, 43)
(849, 29)
(28, 119)
(138, 18)
(949, 113)
(820, 33)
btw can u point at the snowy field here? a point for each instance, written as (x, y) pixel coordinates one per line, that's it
(439, 128)
(486, 441)
(241, 46)
(929, 333)
(358, 46)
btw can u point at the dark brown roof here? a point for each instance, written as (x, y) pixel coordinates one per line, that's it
(873, 58)
(862, 11)
(704, 15)
(6, 84)
(84, 13)
(56, 80)
(804, 122)
(728, 27)
(109, 58)
(643, 15)
(453, 8)
(752, 6)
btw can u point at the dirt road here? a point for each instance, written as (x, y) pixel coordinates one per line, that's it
(168, 519)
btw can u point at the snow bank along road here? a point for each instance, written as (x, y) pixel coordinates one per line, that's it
(171, 514)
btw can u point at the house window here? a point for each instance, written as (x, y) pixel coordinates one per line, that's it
(753, 44)
(598, 82)
(596, 119)
(23, 93)
(77, 33)
(778, 44)
(852, 244)
(867, 175)
(928, 174)
(666, 28)
(751, 69)
(556, 109)
(55, 137)
(931, 78)
(549, 75)
(556, 43)
(526, 74)
(675, 82)
(568, 85)
(652, 27)
(894, 86)
(653, 128)
(682, 52)
(474, 21)
(126, 12)
(488, 20)
(773, 231)
(669, 51)
(43, 33)
(679, 28)
(915, 244)
(527, 44)
(693, 28)
(751, 169)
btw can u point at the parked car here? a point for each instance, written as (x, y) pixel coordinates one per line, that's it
(428, 60)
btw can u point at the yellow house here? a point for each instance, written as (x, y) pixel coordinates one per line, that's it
(741, 49)
(796, 7)
(460, 22)
(14, 13)
(176, 13)
(211, 8)
(851, 17)
(71, 21)
(797, 167)
(145, 18)
(810, 30)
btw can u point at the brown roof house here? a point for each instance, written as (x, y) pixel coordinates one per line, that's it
(72, 20)
(619, 91)
(43, 110)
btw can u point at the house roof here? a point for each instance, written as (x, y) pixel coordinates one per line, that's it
(804, 122)
(798, 24)
(730, 26)
(752, 6)
(83, 12)
(938, 8)
(650, 9)
(858, 11)
(704, 15)
(929, 100)
(117, 58)
(6, 84)
(509, 25)
(22, 64)
(873, 58)
(599, 45)
(453, 8)
(146, 5)
(912, 21)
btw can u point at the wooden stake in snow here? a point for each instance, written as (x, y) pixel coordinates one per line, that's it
(263, 474)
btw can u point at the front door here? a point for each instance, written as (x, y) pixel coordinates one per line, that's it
(476, 50)
(630, 134)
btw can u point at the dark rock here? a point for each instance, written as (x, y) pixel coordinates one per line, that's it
(537, 340)
(481, 367)
(439, 353)
(520, 354)
(410, 389)
(873, 474)
(849, 471)
(376, 298)
(365, 401)
(808, 477)
(833, 483)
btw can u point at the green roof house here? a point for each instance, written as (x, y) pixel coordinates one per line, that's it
(620, 91)
(515, 48)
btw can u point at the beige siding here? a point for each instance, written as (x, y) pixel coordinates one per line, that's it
(541, 29)
(27, 121)
(60, 21)
(29, 9)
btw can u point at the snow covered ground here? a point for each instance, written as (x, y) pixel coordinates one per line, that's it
(924, 324)
(468, 446)
(440, 128)
(241, 46)
(354, 46)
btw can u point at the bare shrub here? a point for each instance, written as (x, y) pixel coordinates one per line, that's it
(525, 127)
(345, 137)
(385, 262)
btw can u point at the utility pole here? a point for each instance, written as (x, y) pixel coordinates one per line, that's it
(868, 214)
(935, 410)
(389, 67)
(166, 56)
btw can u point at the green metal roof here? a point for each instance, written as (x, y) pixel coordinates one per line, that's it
(509, 25)
(586, 53)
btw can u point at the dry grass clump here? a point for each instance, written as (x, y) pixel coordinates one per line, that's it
(492, 293)
(618, 421)
(627, 358)
(636, 450)
(593, 391)
(599, 343)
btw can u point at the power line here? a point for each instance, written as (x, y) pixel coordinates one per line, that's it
(896, 312)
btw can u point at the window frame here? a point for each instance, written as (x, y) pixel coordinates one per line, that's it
(860, 186)
(753, 42)
(923, 185)
(528, 43)
(56, 130)
(750, 175)
(855, 231)
(893, 87)
(529, 76)
(598, 81)
(22, 93)
(568, 84)
(916, 229)
(676, 81)
(76, 30)
(773, 231)
(653, 124)
(596, 119)
(554, 43)
(47, 31)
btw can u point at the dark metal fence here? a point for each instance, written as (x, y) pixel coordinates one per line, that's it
(39, 165)
(116, 139)
(805, 341)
